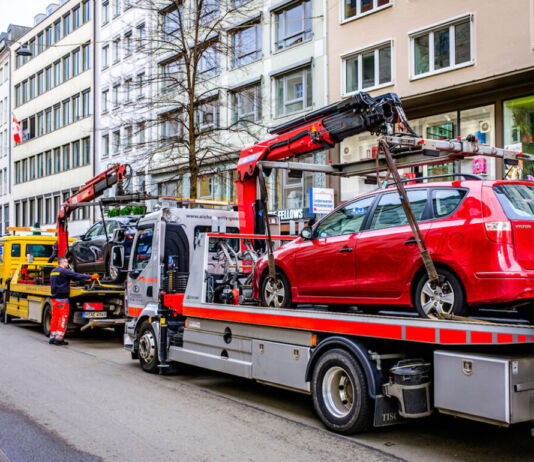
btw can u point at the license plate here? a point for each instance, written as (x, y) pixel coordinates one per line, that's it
(95, 314)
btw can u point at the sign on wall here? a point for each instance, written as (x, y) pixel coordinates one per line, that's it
(321, 200)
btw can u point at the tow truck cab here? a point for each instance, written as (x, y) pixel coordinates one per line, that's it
(162, 253)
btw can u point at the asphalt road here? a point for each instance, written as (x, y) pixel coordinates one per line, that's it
(89, 401)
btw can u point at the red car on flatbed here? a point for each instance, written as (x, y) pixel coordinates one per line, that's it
(479, 234)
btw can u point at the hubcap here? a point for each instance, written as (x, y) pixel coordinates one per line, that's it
(274, 293)
(439, 299)
(147, 347)
(338, 392)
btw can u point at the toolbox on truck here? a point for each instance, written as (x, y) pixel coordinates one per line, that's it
(499, 389)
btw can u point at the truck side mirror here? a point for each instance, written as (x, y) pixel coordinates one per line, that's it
(119, 236)
(117, 256)
(306, 233)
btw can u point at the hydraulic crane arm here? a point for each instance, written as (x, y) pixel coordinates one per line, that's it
(92, 189)
(321, 129)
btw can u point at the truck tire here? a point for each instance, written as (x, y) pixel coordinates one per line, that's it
(47, 319)
(340, 393)
(148, 348)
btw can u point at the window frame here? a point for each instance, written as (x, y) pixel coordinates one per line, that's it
(257, 54)
(305, 92)
(359, 14)
(430, 31)
(446, 188)
(307, 34)
(376, 47)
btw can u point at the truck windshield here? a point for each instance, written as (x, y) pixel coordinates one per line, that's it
(517, 200)
(143, 249)
(39, 250)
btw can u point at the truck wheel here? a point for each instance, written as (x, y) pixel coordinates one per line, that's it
(340, 393)
(148, 348)
(47, 319)
(451, 300)
(276, 295)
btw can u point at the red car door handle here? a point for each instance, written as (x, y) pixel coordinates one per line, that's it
(410, 241)
(345, 249)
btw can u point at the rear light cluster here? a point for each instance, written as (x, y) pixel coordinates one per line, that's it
(499, 231)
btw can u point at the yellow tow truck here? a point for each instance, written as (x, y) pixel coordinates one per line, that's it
(25, 287)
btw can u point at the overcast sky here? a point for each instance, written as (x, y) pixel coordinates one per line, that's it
(21, 12)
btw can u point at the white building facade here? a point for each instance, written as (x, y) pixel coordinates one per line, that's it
(53, 101)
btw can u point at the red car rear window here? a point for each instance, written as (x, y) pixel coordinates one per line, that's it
(517, 200)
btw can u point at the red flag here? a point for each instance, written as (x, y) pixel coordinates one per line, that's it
(16, 131)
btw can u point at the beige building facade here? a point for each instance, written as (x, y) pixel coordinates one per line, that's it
(461, 67)
(52, 100)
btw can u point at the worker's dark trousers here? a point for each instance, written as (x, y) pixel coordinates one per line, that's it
(60, 317)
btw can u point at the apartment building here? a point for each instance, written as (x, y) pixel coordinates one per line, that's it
(123, 88)
(267, 63)
(461, 67)
(52, 91)
(7, 40)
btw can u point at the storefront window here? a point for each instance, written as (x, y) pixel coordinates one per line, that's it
(518, 117)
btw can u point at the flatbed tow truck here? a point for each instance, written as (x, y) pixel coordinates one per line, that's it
(361, 370)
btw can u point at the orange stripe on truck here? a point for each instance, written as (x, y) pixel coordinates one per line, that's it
(134, 311)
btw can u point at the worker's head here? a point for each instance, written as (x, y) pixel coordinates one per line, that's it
(63, 262)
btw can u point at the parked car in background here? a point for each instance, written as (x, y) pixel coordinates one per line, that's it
(479, 234)
(91, 253)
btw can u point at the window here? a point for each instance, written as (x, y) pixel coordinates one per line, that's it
(76, 62)
(116, 90)
(143, 249)
(171, 24)
(518, 115)
(210, 10)
(25, 91)
(15, 249)
(86, 103)
(444, 48)
(48, 78)
(171, 73)
(67, 68)
(57, 73)
(141, 35)
(40, 83)
(40, 124)
(105, 145)
(446, 201)
(128, 90)
(66, 112)
(40, 43)
(355, 8)
(57, 160)
(57, 31)
(17, 172)
(75, 154)
(49, 37)
(246, 104)
(116, 8)
(32, 167)
(294, 92)
(116, 141)
(140, 85)
(294, 25)
(105, 12)
(48, 162)
(105, 100)
(129, 137)
(171, 127)
(48, 120)
(40, 170)
(32, 87)
(86, 57)
(247, 45)
(105, 56)
(345, 220)
(128, 43)
(76, 108)
(66, 24)
(206, 114)
(76, 18)
(25, 170)
(57, 116)
(18, 95)
(208, 64)
(116, 50)
(86, 7)
(389, 211)
(32, 47)
(368, 69)
(66, 157)
(141, 135)
(39, 250)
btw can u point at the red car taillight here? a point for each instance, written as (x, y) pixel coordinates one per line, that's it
(499, 231)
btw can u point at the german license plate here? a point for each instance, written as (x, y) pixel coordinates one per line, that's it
(95, 314)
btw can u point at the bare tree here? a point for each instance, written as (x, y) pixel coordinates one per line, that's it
(190, 43)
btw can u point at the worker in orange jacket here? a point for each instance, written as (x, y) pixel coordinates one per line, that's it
(60, 279)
